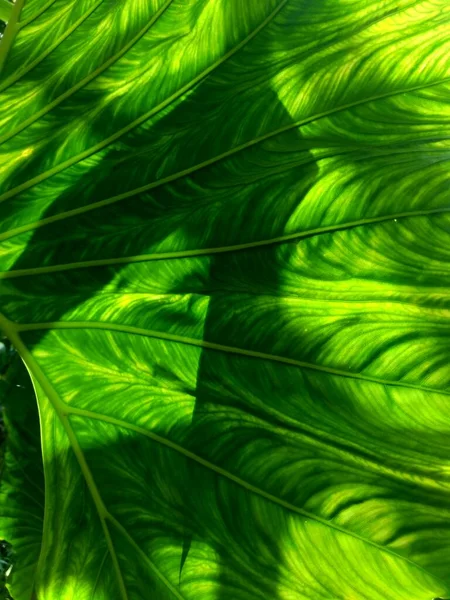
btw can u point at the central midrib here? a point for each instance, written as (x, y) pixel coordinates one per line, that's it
(63, 412)
(63, 415)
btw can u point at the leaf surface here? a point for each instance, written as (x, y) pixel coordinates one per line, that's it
(225, 262)
(22, 478)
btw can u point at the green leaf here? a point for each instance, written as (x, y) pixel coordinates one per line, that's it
(224, 259)
(22, 482)
(5, 10)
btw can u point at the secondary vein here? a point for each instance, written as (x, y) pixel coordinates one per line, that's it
(107, 141)
(83, 82)
(144, 557)
(203, 251)
(241, 482)
(59, 408)
(220, 348)
(28, 67)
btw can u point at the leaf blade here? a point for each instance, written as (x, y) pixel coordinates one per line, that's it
(259, 247)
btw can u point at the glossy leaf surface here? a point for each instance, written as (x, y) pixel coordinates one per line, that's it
(224, 259)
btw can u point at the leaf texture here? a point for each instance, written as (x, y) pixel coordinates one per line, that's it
(225, 244)
(22, 479)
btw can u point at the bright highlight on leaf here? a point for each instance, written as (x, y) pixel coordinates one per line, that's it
(225, 263)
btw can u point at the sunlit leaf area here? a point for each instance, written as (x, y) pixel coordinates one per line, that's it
(225, 300)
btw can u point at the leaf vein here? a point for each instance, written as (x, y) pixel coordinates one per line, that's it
(112, 327)
(107, 141)
(17, 76)
(89, 77)
(241, 482)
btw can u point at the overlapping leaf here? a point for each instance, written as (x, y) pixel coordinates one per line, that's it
(225, 262)
(22, 483)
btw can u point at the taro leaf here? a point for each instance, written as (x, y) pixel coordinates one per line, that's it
(225, 262)
(5, 13)
(22, 482)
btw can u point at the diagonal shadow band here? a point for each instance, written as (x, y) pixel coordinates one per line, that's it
(155, 216)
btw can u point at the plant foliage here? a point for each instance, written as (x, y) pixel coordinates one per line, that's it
(224, 261)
